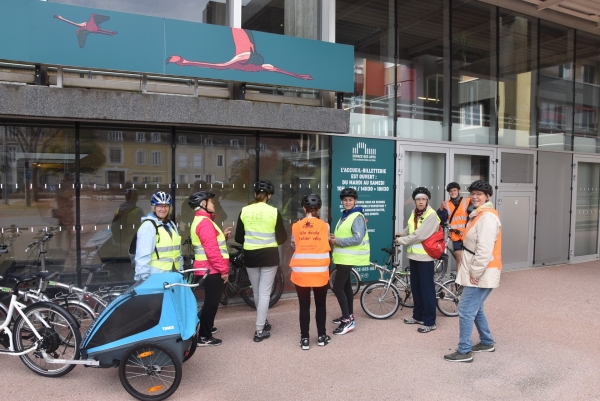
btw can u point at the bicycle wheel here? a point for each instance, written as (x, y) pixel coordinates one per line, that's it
(60, 338)
(376, 303)
(103, 301)
(150, 371)
(448, 294)
(276, 292)
(191, 349)
(4, 339)
(354, 280)
(3, 313)
(440, 268)
(403, 286)
(82, 313)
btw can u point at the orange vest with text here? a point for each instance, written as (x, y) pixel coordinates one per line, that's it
(311, 259)
(496, 260)
(459, 220)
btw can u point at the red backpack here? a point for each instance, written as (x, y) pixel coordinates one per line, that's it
(435, 244)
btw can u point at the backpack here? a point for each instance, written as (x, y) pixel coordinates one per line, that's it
(435, 245)
(133, 245)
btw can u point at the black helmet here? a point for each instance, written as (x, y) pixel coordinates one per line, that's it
(264, 186)
(197, 198)
(482, 186)
(452, 185)
(421, 190)
(312, 201)
(349, 192)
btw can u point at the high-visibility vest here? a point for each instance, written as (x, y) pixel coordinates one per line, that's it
(259, 225)
(459, 220)
(355, 255)
(418, 247)
(199, 253)
(496, 260)
(310, 262)
(168, 248)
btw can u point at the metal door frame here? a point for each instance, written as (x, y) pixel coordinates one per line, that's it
(524, 192)
(576, 160)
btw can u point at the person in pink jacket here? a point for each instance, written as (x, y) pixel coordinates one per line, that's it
(210, 253)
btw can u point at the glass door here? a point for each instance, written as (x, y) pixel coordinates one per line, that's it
(468, 165)
(584, 221)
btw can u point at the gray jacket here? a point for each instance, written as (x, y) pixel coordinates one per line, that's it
(425, 230)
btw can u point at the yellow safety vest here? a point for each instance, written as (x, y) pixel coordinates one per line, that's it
(418, 248)
(199, 253)
(355, 255)
(168, 248)
(259, 225)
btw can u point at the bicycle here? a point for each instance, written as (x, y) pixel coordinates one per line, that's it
(355, 280)
(381, 299)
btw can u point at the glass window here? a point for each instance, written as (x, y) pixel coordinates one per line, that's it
(468, 168)
(265, 16)
(197, 160)
(587, 205)
(140, 157)
(370, 30)
(157, 159)
(219, 160)
(474, 73)
(518, 79)
(587, 93)
(182, 160)
(141, 136)
(556, 87)
(182, 139)
(156, 137)
(115, 155)
(38, 194)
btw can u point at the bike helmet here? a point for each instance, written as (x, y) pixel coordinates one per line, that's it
(452, 185)
(312, 201)
(421, 190)
(482, 186)
(264, 186)
(161, 198)
(196, 199)
(349, 192)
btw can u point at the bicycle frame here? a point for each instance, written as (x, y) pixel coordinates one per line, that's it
(4, 327)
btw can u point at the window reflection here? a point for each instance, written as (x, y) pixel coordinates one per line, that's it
(587, 94)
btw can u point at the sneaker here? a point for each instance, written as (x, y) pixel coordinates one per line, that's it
(261, 335)
(213, 330)
(339, 319)
(323, 340)
(304, 343)
(209, 342)
(458, 357)
(410, 320)
(426, 329)
(483, 348)
(267, 325)
(344, 327)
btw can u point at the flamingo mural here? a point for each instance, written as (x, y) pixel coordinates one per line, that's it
(245, 59)
(90, 26)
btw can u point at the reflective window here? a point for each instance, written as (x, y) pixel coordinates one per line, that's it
(518, 77)
(264, 16)
(556, 87)
(587, 93)
(474, 73)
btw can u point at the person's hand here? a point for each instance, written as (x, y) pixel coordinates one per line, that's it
(474, 280)
(442, 205)
(332, 239)
(225, 277)
(227, 233)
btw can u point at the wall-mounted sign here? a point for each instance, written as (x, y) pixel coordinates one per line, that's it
(56, 34)
(366, 165)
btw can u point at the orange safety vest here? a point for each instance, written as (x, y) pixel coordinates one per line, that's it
(496, 260)
(459, 220)
(310, 262)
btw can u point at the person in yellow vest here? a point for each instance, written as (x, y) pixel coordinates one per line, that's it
(350, 242)
(158, 245)
(457, 208)
(210, 253)
(479, 272)
(260, 229)
(310, 268)
(422, 223)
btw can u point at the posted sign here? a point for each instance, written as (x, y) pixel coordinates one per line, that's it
(366, 165)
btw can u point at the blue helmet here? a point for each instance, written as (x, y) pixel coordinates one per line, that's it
(161, 198)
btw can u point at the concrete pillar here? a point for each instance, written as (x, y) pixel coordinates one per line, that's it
(301, 18)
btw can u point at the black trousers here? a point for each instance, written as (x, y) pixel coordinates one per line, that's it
(321, 311)
(213, 289)
(423, 291)
(342, 288)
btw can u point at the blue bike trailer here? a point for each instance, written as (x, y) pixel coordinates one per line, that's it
(147, 311)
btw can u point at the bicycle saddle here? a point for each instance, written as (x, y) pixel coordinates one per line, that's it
(443, 257)
(237, 247)
(93, 268)
(22, 278)
(3, 248)
(388, 250)
(46, 276)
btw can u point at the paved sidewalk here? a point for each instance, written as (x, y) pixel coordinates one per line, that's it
(546, 323)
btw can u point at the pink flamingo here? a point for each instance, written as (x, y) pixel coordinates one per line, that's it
(91, 26)
(245, 58)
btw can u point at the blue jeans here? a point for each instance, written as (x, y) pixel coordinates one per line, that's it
(470, 310)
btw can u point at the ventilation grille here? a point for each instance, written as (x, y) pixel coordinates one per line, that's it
(517, 168)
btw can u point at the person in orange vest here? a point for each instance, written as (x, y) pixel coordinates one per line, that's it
(457, 208)
(479, 272)
(310, 268)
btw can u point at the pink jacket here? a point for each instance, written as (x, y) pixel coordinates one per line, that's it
(208, 237)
